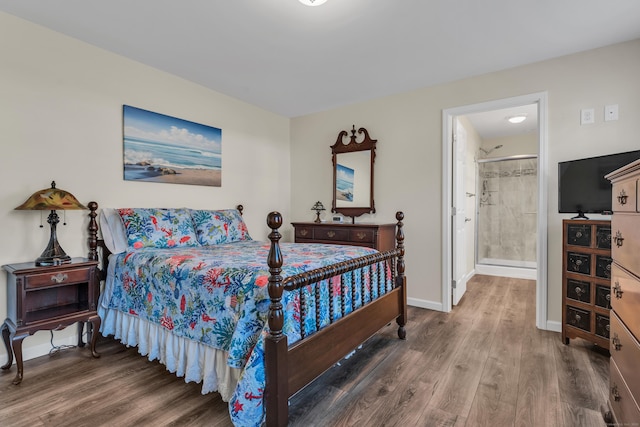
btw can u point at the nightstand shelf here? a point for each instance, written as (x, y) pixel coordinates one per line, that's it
(48, 298)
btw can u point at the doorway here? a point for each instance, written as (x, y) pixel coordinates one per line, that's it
(451, 245)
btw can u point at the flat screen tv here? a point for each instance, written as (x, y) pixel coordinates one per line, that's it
(582, 187)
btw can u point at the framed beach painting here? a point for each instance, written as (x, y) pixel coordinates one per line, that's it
(344, 183)
(159, 148)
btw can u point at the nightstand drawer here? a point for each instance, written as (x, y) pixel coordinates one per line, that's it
(56, 278)
(364, 236)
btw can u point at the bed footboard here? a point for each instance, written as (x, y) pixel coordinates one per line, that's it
(288, 369)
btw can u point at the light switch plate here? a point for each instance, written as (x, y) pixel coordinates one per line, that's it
(610, 112)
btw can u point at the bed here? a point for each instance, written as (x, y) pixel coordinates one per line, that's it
(250, 320)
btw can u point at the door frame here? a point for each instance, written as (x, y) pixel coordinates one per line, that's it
(539, 98)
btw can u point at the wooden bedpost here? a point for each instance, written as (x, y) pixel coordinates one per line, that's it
(276, 394)
(401, 280)
(93, 231)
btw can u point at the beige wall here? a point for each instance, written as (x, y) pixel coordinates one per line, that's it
(408, 165)
(61, 119)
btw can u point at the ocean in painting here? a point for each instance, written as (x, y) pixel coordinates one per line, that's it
(158, 154)
(344, 183)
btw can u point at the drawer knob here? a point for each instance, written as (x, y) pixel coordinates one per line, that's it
(619, 238)
(59, 278)
(622, 197)
(331, 234)
(617, 345)
(578, 317)
(304, 232)
(361, 235)
(579, 234)
(615, 394)
(578, 290)
(617, 290)
(578, 262)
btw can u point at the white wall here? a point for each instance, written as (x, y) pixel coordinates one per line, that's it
(408, 166)
(61, 119)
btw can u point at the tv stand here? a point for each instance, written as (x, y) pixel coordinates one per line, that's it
(580, 215)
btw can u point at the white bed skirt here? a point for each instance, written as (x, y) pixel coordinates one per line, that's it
(186, 358)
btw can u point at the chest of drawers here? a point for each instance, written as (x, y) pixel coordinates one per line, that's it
(624, 385)
(376, 236)
(586, 275)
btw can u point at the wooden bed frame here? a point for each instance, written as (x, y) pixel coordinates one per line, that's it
(289, 368)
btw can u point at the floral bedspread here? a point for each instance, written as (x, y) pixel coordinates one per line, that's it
(218, 295)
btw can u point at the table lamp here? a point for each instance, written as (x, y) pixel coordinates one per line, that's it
(52, 199)
(318, 207)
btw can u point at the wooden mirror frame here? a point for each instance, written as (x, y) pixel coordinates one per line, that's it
(367, 144)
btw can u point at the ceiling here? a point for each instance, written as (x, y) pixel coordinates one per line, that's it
(293, 60)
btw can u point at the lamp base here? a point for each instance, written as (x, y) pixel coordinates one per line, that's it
(53, 253)
(49, 261)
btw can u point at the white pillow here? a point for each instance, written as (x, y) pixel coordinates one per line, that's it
(113, 231)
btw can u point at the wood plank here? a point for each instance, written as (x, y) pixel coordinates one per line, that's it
(387, 382)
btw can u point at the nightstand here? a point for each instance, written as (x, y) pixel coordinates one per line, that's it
(48, 298)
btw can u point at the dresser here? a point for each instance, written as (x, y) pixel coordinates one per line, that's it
(586, 280)
(376, 236)
(624, 385)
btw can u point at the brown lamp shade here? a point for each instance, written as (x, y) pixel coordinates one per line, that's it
(51, 199)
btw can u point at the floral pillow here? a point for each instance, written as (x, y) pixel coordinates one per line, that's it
(158, 228)
(215, 227)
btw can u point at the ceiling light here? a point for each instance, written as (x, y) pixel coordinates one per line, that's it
(517, 119)
(312, 2)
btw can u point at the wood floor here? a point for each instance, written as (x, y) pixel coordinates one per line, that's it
(483, 364)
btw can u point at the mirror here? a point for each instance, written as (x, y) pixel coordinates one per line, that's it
(353, 174)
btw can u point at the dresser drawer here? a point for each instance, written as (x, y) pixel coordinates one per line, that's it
(603, 237)
(625, 350)
(603, 296)
(625, 298)
(579, 290)
(579, 318)
(624, 196)
(34, 281)
(578, 263)
(304, 232)
(603, 266)
(602, 326)
(625, 241)
(579, 235)
(362, 236)
(622, 403)
(336, 234)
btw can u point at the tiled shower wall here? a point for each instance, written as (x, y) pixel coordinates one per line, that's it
(507, 201)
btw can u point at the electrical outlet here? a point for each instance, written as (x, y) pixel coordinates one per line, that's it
(610, 112)
(587, 116)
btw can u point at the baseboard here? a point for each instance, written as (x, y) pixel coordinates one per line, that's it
(32, 351)
(554, 326)
(420, 303)
(513, 272)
